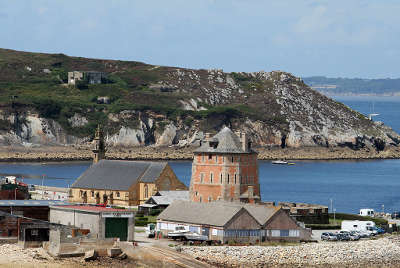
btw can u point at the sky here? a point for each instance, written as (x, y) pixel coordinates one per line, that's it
(341, 38)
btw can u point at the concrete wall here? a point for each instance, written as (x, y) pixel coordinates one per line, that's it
(82, 220)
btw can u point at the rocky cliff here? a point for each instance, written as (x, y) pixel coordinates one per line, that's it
(164, 106)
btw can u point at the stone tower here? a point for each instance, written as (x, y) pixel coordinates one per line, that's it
(225, 168)
(99, 149)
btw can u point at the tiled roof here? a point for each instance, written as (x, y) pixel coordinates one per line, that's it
(226, 142)
(167, 197)
(119, 174)
(216, 213)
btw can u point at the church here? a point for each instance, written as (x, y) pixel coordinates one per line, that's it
(121, 182)
(225, 168)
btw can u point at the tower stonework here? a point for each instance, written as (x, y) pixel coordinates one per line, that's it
(99, 150)
(225, 168)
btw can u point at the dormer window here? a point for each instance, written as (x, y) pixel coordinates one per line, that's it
(213, 144)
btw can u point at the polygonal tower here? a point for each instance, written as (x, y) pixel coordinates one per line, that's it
(99, 149)
(225, 168)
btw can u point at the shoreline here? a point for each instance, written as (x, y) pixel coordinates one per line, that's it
(64, 154)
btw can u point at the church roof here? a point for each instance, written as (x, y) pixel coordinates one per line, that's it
(119, 174)
(224, 141)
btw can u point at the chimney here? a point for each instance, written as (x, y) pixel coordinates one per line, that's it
(244, 141)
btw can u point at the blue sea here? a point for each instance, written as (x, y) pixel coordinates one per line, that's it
(350, 184)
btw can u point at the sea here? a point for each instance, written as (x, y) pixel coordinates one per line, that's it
(342, 185)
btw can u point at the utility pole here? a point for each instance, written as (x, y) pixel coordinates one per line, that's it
(331, 204)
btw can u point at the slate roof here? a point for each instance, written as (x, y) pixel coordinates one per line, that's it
(216, 213)
(119, 174)
(167, 197)
(227, 142)
(213, 213)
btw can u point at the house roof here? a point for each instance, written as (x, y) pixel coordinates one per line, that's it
(119, 174)
(226, 142)
(167, 197)
(31, 203)
(216, 213)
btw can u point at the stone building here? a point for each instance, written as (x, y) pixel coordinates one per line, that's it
(125, 183)
(225, 168)
(232, 221)
(92, 77)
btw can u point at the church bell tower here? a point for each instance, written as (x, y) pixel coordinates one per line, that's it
(99, 149)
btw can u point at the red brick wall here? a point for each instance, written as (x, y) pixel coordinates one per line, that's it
(244, 167)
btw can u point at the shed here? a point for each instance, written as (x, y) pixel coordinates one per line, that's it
(101, 221)
(161, 200)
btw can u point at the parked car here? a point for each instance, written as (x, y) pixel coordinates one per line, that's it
(329, 236)
(351, 235)
(354, 235)
(396, 215)
(343, 237)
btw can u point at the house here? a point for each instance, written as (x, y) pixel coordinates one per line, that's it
(162, 199)
(102, 222)
(232, 221)
(225, 168)
(91, 77)
(125, 183)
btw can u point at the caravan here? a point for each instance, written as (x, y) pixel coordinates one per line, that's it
(360, 226)
(367, 212)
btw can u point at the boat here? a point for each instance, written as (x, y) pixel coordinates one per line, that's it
(12, 189)
(179, 232)
(195, 237)
(279, 162)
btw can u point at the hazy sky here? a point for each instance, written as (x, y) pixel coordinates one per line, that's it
(306, 37)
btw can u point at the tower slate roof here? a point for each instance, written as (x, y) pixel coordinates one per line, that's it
(224, 141)
(119, 174)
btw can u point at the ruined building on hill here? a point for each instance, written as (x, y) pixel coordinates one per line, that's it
(225, 168)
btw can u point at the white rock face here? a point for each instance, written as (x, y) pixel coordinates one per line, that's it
(77, 120)
(168, 136)
(127, 137)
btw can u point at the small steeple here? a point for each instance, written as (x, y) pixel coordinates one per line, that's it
(99, 149)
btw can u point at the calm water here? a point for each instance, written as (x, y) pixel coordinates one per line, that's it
(350, 184)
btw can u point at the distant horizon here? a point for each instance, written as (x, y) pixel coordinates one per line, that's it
(121, 59)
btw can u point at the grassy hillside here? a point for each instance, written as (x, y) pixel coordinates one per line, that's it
(37, 81)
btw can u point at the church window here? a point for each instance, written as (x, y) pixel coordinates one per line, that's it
(117, 194)
(92, 193)
(146, 191)
(211, 177)
(201, 177)
(80, 193)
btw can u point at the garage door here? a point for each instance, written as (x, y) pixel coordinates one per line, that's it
(117, 227)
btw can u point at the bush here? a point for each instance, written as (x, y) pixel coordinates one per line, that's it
(323, 226)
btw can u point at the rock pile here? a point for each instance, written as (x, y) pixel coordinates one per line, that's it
(366, 253)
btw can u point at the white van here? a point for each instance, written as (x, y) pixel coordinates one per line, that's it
(367, 212)
(357, 225)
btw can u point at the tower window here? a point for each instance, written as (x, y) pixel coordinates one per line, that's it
(235, 178)
(210, 156)
(228, 179)
(201, 177)
(216, 159)
(196, 193)
(202, 158)
(201, 199)
(223, 159)
(211, 177)
(221, 178)
(232, 159)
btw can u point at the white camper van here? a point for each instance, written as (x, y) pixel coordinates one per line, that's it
(362, 226)
(367, 212)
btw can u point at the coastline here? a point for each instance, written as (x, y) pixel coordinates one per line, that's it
(58, 154)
